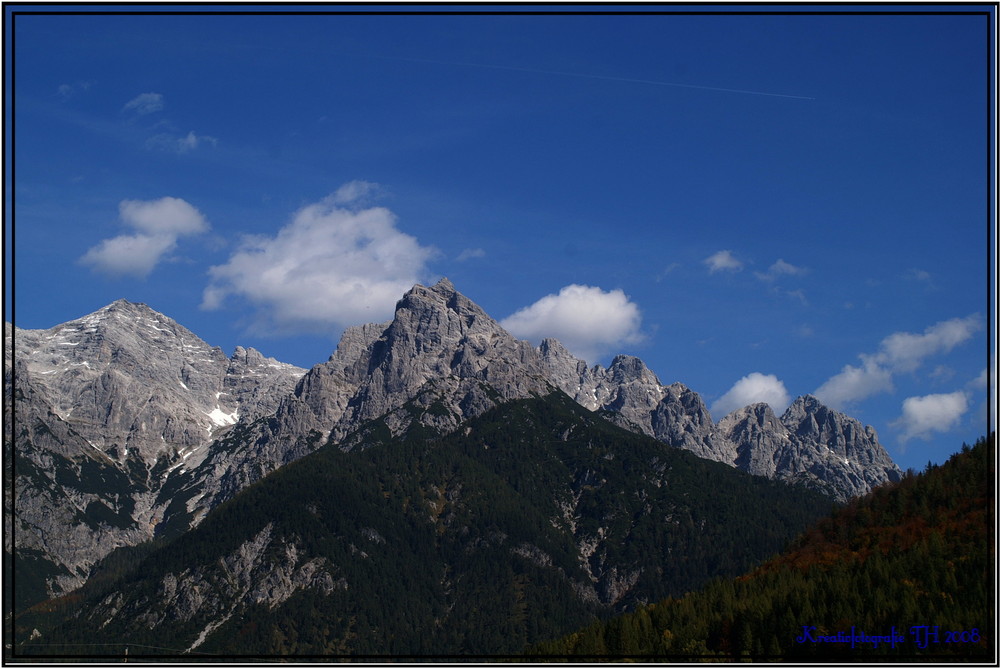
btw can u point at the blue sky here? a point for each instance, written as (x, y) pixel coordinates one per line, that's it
(759, 206)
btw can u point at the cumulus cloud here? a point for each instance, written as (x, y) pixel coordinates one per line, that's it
(722, 261)
(905, 352)
(855, 383)
(129, 254)
(329, 268)
(145, 103)
(159, 223)
(752, 389)
(587, 320)
(900, 352)
(922, 416)
(167, 216)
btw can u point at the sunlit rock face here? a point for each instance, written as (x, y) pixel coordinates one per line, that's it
(108, 407)
(812, 444)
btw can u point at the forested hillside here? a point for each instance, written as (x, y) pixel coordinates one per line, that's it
(534, 519)
(913, 561)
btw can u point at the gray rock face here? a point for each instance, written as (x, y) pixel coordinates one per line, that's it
(850, 455)
(107, 408)
(134, 382)
(440, 350)
(440, 335)
(673, 414)
(254, 577)
(811, 444)
(682, 420)
(72, 501)
(762, 441)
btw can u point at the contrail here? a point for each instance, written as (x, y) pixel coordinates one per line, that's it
(578, 75)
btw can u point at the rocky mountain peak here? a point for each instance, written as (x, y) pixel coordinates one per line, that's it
(444, 286)
(438, 335)
(759, 415)
(809, 418)
(439, 314)
(123, 313)
(569, 374)
(125, 306)
(760, 438)
(627, 369)
(810, 443)
(804, 405)
(122, 401)
(132, 381)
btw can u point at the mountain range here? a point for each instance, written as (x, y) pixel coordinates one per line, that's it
(125, 427)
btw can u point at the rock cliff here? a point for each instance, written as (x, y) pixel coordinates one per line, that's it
(106, 408)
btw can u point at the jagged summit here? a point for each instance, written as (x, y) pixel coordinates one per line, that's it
(810, 443)
(124, 304)
(806, 403)
(122, 400)
(123, 309)
(444, 286)
(439, 337)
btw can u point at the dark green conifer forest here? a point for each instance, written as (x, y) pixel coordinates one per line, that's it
(914, 561)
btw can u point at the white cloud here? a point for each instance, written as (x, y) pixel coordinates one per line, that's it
(900, 352)
(722, 261)
(587, 320)
(145, 103)
(167, 215)
(779, 269)
(854, 384)
(751, 389)
(356, 192)
(329, 268)
(903, 351)
(129, 255)
(159, 223)
(470, 253)
(931, 413)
